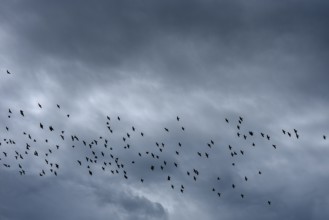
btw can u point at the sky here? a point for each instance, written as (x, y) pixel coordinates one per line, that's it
(148, 62)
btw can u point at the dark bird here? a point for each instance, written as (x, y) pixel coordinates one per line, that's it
(226, 120)
(324, 137)
(242, 196)
(39, 105)
(8, 72)
(58, 106)
(183, 128)
(262, 134)
(108, 118)
(168, 178)
(259, 172)
(22, 113)
(283, 131)
(41, 126)
(177, 118)
(251, 133)
(269, 202)
(51, 128)
(133, 128)
(118, 118)
(245, 178)
(91, 173)
(152, 167)
(212, 142)
(274, 146)
(167, 130)
(79, 162)
(233, 186)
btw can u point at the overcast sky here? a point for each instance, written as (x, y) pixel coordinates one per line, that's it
(149, 62)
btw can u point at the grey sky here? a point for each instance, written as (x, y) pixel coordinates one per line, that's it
(148, 62)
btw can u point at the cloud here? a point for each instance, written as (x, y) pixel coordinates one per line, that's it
(147, 63)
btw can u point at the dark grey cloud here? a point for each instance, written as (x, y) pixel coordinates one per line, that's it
(149, 62)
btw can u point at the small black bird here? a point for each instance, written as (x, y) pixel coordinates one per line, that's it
(39, 105)
(22, 113)
(8, 72)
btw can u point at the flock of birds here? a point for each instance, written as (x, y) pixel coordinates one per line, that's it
(100, 155)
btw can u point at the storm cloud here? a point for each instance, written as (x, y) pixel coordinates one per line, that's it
(147, 62)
